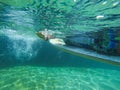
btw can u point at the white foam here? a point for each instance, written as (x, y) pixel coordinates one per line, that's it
(75, 0)
(104, 3)
(100, 17)
(22, 44)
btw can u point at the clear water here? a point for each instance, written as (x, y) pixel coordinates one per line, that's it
(28, 63)
(59, 78)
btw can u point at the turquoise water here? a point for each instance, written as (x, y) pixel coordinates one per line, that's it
(58, 78)
(28, 63)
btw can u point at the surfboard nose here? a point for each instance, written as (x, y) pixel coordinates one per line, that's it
(57, 41)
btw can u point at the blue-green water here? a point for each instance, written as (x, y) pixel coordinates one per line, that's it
(28, 63)
(58, 78)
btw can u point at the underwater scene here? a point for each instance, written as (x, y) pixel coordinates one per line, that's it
(29, 62)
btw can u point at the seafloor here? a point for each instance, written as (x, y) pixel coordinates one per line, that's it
(58, 78)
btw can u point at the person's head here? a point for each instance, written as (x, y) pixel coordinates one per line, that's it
(47, 34)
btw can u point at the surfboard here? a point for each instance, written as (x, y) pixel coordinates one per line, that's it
(82, 52)
(85, 53)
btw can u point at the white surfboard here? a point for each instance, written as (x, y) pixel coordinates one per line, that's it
(90, 54)
(82, 52)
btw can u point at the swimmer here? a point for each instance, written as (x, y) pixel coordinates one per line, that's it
(46, 34)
